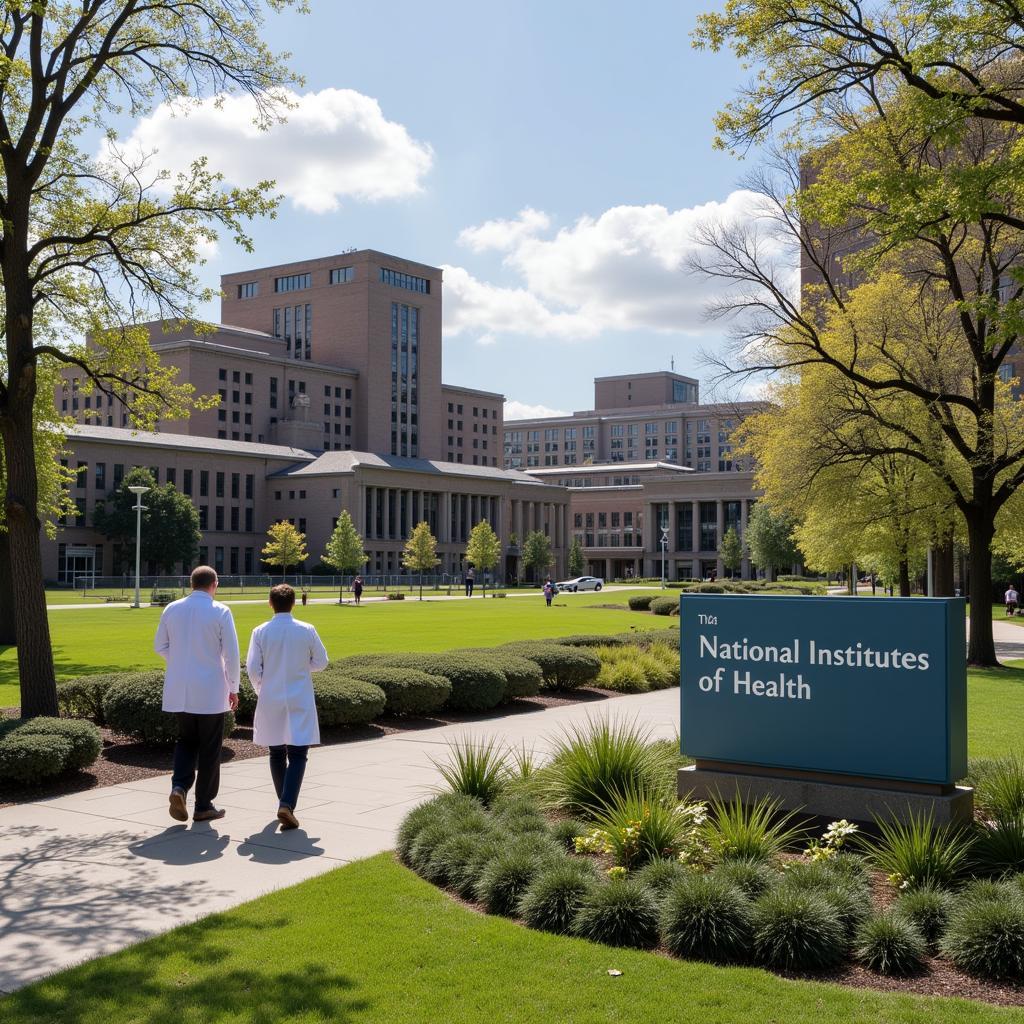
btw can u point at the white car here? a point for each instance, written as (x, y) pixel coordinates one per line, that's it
(580, 583)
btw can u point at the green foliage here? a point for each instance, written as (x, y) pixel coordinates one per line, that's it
(474, 769)
(589, 640)
(796, 930)
(537, 554)
(442, 808)
(640, 602)
(449, 858)
(622, 912)
(506, 877)
(640, 826)
(660, 874)
(407, 691)
(917, 853)
(627, 669)
(523, 677)
(83, 697)
(890, 944)
(769, 538)
(33, 750)
(344, 550)
(593, 763)
(753, 877)
(575, 562)
(565, 831)
(563, 667)
(286, 546)
(84, 738)
(999, 846)
(623, 675)
(668, 605)
(706, 917)
(758, 831)
(420, 553)
(346, 701)
(928, 909)
(999, 787)
(731, 551)
(552, 899)
(133, 707)
(484, 547)
(986, 938)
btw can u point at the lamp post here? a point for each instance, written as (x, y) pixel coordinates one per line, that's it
(664, 553)
(139, 509)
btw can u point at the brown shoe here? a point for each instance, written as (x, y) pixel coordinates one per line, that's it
(211, 815)
(286, 816)
(179, 812)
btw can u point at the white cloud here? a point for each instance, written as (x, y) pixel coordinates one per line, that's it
(626, 269)
(522, 411)
(336, 144)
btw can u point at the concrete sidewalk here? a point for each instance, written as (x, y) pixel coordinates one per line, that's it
(90, 873)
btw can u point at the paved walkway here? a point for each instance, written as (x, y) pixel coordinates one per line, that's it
(90, 873)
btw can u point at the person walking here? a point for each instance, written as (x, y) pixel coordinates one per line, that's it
(470, 578)
(197, 639)
(282, 655)
(357, 588)
(1012, 599)
(549, 592)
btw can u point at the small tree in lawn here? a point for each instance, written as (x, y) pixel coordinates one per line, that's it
(344, 550)
(576, 558)
(420, 552)
(483, 549)
(537, 554)
(770, 539)
(286, 547)
(731, 551)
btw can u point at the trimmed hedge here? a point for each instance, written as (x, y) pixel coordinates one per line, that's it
(641, 602)
(83, 697)
(666, 605)
(564, 668)
(133, 707)
(589, 640)
(407, 691)
(523, 676)
(342, 700)
(37, 749)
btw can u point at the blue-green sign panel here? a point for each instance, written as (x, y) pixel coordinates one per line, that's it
(853, 686)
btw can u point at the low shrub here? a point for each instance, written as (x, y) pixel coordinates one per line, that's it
(986, 938)
(345, 701)
(622, 675)
(519, 815)
(523, 677)
(999, 787)
(639, 826)
(565, 831)
(641, 602)
(759, 831)
(916, 853)
(463, 877)
(563, 668)
(30, 759)
(622, 912)
(133, 707)
(83, 737)
(247, 699)
(708, 588)
(647, 638)
(444, 807)
(588, 640)
(665, 605)
(660, 665)
(794, 930)
(473, 769)
(660, 874)
(396, 595)
(890, 944)
(407, 691)
(552, 899)
(752, 877)
(928, 909)
(506, 877)
(999, 846)
(449, 857)
(707, 918)
(83, 697)
(984, 890)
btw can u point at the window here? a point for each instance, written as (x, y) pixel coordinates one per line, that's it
(236, 484)
(398, 280)
(219, 517)
(220, 485)
(249, 290)
(343, 275)
(204, 517)
(292, 283)
(250, 485)
(172, 476)
(248, 379)
(683, 391)
(101, 476)
(1006, 372)
(186, 482)
(273, 392)
(222, 374)
(248, 520)
(118, 473)
(81, 480)
(234, 519)
(650, 428)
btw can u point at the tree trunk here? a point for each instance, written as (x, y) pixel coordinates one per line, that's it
(904, 578)
(7, 634)
(942, 568)
(981, 648)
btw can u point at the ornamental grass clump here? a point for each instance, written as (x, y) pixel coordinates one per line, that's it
(446, 807)
(622, 676)
(986, 938)
(890, 944)
(474, 769)
(463, 877)
(759, 831)
(660, 875)
(999, 792)
(928, 909)
(707, 918)
(566, 831)
(622, 912)
(551, 901)
(752, 877)
(518, 814)
(796, 930)
(506, 876)
(594, 762)
(916, 853)
(999, 846)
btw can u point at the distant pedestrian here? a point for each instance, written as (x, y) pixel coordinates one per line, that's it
(282, 655)
(1012, 599)
(197, 639)
(305, 596)
(549, 592)
(357, 588)
(469, 580)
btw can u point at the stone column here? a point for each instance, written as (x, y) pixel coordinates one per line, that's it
(444, 527)
(720, 508)
(695, 526)
(371, 526)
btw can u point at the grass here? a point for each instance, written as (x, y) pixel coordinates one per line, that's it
(370, 943)
(91, 640)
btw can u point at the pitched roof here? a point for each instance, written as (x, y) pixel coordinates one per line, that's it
(192, 442)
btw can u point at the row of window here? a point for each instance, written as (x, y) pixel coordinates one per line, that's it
(477, 427)
(221, 480)
(292, 282)
(482, 411)
(295, 325)
(399, 280)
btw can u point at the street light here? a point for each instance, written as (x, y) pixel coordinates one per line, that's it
(139, 509)
(664, 553)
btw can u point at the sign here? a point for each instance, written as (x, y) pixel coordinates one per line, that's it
(851, 686)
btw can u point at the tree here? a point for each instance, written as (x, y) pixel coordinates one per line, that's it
(420, 554)
(908, 121)
(483, 548)
(286, 547)
(576, 562)
(344, 550)
(537, 555)
(770, 539)
(170, 523)
(731, 551)
(96, 240)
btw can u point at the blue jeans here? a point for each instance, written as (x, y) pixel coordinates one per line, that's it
(287, 767)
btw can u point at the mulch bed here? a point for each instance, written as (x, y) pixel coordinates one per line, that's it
(123, 760)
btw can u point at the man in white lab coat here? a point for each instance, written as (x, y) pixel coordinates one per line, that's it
(197, 639)
(282, 655)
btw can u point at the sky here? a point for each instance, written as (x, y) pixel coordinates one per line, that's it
(552, 157)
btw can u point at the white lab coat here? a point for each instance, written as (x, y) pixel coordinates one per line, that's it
(197, 639)
(282, 655)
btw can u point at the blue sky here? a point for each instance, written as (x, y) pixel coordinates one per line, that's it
(426, 130)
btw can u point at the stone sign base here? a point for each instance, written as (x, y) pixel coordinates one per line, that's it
(829, 797)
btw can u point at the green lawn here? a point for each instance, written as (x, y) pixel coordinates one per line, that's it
(370, 942)
(86, 641)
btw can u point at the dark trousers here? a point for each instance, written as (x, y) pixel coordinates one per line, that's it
(469, 588)
(287, 767)
(199, 741)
